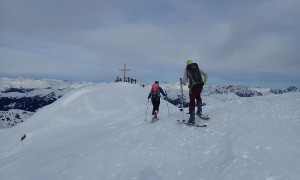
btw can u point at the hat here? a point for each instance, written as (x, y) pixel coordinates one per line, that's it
(189, 62)
(156, 82)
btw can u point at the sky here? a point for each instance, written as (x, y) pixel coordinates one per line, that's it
(248, 42)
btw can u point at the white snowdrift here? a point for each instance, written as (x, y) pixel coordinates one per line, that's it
(100, 133)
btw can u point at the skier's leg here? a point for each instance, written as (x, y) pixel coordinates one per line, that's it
(199, 100)
(192, 106)
(155, 107)
(192, 118)
(192, 101)
(158, 103)
(153, 103)
(199, 109)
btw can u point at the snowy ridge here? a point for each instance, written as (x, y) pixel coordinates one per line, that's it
(21, 97)
(100, 132)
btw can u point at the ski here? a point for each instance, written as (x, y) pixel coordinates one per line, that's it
(189, 124)
(204, 117)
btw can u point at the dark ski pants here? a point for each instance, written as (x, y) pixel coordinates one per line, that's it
(155, 102)
(195, 95)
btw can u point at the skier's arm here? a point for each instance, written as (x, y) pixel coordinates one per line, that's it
(204, 74)
(161, 91)
(149, 95)
(184, 79)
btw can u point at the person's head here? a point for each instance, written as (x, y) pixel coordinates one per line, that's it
(156, 82)
(189, 62)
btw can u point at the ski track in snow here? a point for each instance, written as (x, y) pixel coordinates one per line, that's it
(100, 132)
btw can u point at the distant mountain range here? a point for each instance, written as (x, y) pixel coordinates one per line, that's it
(245, 91)
(225, 92)
(20, 98)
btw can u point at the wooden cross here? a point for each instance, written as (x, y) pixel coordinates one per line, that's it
(124, 70)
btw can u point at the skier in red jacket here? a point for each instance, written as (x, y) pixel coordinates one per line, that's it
(155, 98)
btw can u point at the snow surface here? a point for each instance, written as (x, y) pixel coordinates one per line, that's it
(100, 132)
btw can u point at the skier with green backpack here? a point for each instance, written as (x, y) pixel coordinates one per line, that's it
(193, 74)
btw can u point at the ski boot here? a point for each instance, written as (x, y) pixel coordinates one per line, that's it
(199, 109)
(154, 117)
(192, 118)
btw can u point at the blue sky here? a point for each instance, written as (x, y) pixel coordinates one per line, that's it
(246, 42)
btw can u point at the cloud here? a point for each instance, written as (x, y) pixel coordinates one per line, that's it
(257, 40)
(245, 40)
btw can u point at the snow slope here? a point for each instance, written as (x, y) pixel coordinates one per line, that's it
(22, 97)
(100, 132)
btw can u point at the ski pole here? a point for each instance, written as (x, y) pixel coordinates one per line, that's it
(168, 109)
(167, 99)
(181, 89)
(147, 110)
